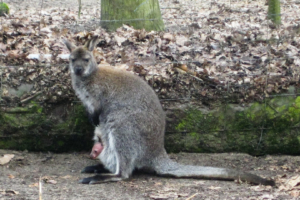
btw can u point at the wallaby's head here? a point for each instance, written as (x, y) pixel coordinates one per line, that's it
(82, 61)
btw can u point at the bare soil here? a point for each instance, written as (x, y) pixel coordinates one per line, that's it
(60, 174)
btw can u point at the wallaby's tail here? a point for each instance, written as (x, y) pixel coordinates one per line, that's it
(166, 167)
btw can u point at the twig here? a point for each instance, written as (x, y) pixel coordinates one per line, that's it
(31, 97)
(40, 189)
(189, 198)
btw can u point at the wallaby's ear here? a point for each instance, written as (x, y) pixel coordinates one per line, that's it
(69, 45)
(90, 45)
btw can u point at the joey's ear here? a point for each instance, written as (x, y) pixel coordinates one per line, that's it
(69, 45)
(90, 45)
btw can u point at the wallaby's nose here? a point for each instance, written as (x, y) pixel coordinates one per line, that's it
(78, 71)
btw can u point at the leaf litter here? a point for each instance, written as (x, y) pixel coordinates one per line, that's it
(228, 49)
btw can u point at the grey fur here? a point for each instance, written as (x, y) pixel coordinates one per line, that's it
(130, 123)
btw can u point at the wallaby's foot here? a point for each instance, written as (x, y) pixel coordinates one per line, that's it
(101, 178)
(98, 169)
(268, 182)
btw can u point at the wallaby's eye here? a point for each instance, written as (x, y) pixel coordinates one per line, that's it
(86, 60)
(72, 59)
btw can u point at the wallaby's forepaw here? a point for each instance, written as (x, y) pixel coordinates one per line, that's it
(100, 179)
(95, 169)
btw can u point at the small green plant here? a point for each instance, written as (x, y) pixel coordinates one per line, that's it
(4, 9)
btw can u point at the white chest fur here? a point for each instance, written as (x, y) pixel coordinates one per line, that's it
(86, 99)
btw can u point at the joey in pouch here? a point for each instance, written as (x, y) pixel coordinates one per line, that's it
(130, 124)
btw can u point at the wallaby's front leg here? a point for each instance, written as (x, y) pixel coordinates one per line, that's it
(99, 169)
(101, 178)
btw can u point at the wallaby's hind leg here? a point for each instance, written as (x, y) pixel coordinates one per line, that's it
(103, 175)
(99, 169)
(122, 172)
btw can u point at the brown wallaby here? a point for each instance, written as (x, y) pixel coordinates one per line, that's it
(130, 124)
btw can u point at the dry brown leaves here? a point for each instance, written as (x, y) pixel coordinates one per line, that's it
(226, 48)
(291, 185)
(6, 158)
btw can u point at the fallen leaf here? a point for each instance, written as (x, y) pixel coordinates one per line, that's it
(34, 185)
(9, 192)
(294, 181)
(11, 176)
(168, 36)
(260, 188)
(214, 188)
(51, 181)
(119, 39)
(158, 184)
(67, 177)
(295, 193)
(6, 159)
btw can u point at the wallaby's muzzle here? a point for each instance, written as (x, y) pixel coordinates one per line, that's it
(78, 71)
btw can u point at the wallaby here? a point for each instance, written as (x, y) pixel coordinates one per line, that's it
(130, 124)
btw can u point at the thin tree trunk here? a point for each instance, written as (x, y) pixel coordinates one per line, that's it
(79, 8)
(137, 13)
(274, 11)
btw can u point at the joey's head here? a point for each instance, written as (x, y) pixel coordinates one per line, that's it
(82, 61)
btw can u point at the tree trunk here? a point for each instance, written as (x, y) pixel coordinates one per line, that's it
(137, 13)
(274, 11)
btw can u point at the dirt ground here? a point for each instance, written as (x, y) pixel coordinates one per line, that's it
(60, 174)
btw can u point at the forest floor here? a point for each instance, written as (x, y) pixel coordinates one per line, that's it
(60, 173)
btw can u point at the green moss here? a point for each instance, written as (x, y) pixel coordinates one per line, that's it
(21, 118)
(3, 9)
(33, 129)
(7, 144)
(77, 122)
(269, 127)
(60, 143)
